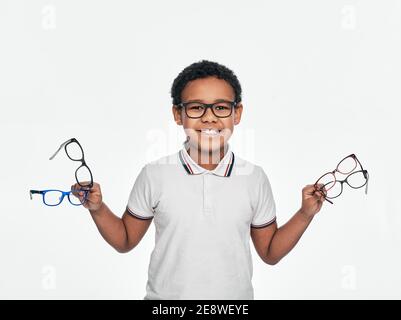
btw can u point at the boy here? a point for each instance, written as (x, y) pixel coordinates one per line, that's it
(206, 202)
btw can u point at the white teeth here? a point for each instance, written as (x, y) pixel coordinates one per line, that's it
(210, 131)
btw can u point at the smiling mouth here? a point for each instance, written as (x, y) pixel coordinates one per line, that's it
(212, 132)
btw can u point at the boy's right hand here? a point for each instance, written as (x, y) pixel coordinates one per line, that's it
(94, 196)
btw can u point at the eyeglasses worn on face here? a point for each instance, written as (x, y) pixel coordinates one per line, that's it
(195, 110)
(332, 188)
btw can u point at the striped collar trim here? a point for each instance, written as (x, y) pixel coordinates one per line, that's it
(223, 169)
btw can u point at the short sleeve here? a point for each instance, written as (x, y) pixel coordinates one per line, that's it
(264, 209)
(142, 197)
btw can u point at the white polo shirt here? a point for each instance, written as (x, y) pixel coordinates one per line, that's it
(202, 220)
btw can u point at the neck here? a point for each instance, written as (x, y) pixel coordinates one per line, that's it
(208, 160)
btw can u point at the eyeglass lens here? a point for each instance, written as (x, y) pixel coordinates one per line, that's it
(74, 151)
(55, 197)
(52, 198)
(347, 165)
(83, 176)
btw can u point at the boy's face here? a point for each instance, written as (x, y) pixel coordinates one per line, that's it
(208, 90)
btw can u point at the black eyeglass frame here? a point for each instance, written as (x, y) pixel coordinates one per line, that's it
(82, 160)
(206, 106)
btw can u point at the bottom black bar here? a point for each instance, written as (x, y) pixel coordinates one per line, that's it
(192, 309)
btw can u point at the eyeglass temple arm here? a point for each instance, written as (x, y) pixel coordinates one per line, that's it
(367, 182)
(31, 192)
(325, 198)
(58, 150)
(365, 173)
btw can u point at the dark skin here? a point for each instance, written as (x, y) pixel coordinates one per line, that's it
(207, 90)
(272, 243)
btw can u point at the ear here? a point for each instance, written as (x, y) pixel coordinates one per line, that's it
(177, 114)
(237, 113)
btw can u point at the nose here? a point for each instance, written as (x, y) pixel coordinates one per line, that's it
(209, 115)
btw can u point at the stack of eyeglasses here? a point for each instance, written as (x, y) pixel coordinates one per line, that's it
(83, 176)
(331, 187)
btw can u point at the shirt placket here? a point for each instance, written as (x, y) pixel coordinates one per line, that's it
(207, 196)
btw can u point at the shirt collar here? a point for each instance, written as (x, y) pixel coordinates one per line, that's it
(223, 168)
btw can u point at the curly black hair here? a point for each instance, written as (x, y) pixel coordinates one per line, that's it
(203, 69)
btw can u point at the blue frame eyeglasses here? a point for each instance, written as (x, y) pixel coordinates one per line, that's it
(54, 197)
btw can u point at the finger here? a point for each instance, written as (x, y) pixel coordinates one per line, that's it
(83, 197)
(92, 189)
(309, 189)
(322, 196)
(318, 193)
(74, 189)
(88, 202)
(319, 187)
(84, 194)
(79, 191)
(316, 198)
(85, 185)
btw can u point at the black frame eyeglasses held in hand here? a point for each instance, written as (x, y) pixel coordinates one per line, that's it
(331, 187)
(74, 151)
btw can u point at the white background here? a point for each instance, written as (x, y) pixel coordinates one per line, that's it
(321, 80)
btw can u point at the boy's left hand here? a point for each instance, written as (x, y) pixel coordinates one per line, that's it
(312, 200)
